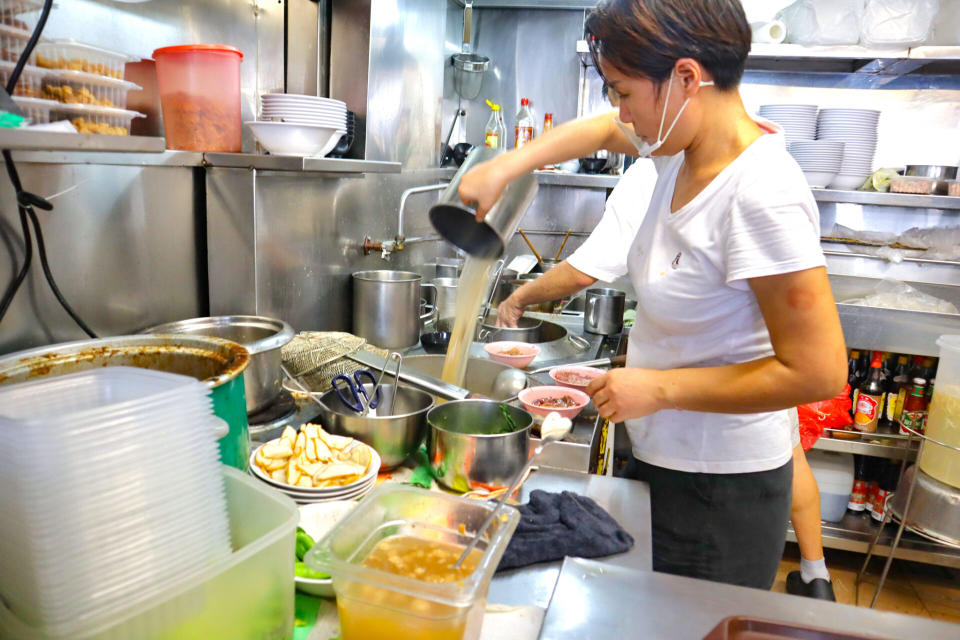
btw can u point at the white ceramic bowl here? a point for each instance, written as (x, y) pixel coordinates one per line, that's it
(848, 182)
(288, 139)
(819, 179)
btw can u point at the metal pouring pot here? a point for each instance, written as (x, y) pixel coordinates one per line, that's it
(456, 222)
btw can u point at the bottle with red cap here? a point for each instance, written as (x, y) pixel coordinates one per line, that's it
(525, 125)
(870, 399)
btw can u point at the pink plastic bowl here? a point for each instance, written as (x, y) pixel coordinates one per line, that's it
(531, 395)
(495, 351)
(586, 372)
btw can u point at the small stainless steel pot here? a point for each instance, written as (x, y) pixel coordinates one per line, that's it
(262, 337)
(394, 436)
(446, 296)
(472, 446)
(447, 267)
(603, 311)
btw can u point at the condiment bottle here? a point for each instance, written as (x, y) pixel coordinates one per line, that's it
(858, 495)
(870, 399)
(914, 414)
(547, 126)
(494, 133)
(523, 130)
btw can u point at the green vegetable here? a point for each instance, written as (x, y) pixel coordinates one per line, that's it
(511, 425)
(304, 543)
(303, 571)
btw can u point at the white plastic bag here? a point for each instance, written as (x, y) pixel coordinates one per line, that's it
(898, 23)
(823, 21)
(893, 294)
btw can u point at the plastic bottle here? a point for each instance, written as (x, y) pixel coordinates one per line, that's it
(523, 130)
(495, 132)
(869, 406)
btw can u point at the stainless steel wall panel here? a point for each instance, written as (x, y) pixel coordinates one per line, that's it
(305, 25)
(121, 247)
(231, 241)
(350, 63)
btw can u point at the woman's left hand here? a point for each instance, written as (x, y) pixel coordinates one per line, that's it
(622, 394)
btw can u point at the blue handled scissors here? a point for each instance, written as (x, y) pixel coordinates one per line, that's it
(354, 394)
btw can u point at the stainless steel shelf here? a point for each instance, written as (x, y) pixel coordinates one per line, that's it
(853, 52)
(16, 139)
(886, 199)
(583, 180)
(197, 159)
(883, 446)
(855, 531)
(895, 330)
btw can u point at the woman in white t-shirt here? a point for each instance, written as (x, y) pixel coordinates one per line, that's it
(736, 321)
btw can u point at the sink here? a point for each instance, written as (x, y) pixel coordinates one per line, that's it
(535, 330)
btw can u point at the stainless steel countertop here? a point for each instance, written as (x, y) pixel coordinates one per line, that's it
(600, 600)
(628, 501)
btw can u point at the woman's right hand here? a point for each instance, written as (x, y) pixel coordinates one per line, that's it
(483, 185)
(509, 312)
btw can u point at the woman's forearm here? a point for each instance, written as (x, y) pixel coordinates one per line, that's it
(559, 282)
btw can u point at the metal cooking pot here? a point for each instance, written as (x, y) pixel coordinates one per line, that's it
(218, 363)
(934, 508)
(262, 337)
(446, 296)
(386, 307)
(527, 330)
(394, 437)
(472, 446)
(481, 372)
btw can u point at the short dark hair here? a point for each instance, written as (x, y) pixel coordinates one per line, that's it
(646, 37)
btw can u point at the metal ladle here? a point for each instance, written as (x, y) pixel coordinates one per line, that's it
(545, 439)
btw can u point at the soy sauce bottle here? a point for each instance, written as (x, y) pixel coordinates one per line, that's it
(869, 408)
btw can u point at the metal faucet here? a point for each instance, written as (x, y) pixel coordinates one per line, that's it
(400, 241)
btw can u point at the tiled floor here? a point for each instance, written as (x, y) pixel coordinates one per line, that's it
(912, 588)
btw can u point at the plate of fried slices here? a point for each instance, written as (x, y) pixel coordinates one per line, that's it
(312, 465)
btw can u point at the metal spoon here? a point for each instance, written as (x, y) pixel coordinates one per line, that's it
(546, 437)
(508, 382)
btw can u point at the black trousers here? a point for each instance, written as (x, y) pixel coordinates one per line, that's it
(717, 526)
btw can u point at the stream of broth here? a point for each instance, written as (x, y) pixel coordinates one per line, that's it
(470, 294)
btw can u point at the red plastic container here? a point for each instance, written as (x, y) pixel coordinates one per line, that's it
(200, 96)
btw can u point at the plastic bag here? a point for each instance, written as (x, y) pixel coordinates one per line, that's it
(893, 294)
(823, 21)
(898, 23)
(826, 414)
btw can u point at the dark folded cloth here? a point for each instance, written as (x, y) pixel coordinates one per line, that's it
(555, 525)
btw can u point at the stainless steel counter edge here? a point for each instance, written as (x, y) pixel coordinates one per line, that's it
(600, 600)
(197, 159)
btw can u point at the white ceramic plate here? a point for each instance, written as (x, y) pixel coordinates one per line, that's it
(320, 492)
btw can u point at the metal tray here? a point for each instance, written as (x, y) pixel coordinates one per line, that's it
(747, 628)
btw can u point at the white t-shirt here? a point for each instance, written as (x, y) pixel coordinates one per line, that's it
(696, 309)
(603, 255)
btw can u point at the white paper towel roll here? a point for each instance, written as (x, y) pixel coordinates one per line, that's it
(773, 32)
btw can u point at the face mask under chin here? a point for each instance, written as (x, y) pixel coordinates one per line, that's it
(646, 149)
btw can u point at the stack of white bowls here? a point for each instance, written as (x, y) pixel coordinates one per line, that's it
(305, 495)
(799, 121)
(110, 492)
(820, 160)
(300, 125)
(857, 130)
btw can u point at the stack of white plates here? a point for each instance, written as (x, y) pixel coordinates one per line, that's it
(299, 125)
(819, 159)
(799, 121)
(857, 130)
(304, 495)
(110, 491)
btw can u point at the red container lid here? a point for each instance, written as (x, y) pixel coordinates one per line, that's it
(524, 101)
(184, 48)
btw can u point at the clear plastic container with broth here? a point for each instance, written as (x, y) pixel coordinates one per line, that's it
(943, 418)
(391, 561)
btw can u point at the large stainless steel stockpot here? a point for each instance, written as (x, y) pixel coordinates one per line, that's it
(262, 337)
(386, 307)
(473, 445)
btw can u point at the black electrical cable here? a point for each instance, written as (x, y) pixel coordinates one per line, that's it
(26, 200)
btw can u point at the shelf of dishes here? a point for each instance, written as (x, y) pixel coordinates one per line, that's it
(853, 52)
(855, 531)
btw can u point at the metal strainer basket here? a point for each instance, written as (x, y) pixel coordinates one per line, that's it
(316, 357)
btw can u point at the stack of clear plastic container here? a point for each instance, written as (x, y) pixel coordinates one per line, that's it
(110, 491)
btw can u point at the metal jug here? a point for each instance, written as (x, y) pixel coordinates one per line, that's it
(603, 312)
(386, 307)
(456, 222)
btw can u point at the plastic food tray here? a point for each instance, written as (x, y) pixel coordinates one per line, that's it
(953, 188)
(80, 87)
(37, 109)
(90, 119)
(77, 56)
(249, 595)
(917, 185)
(748, 628)
(30, 84)
(10, 11)
(12, 42)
